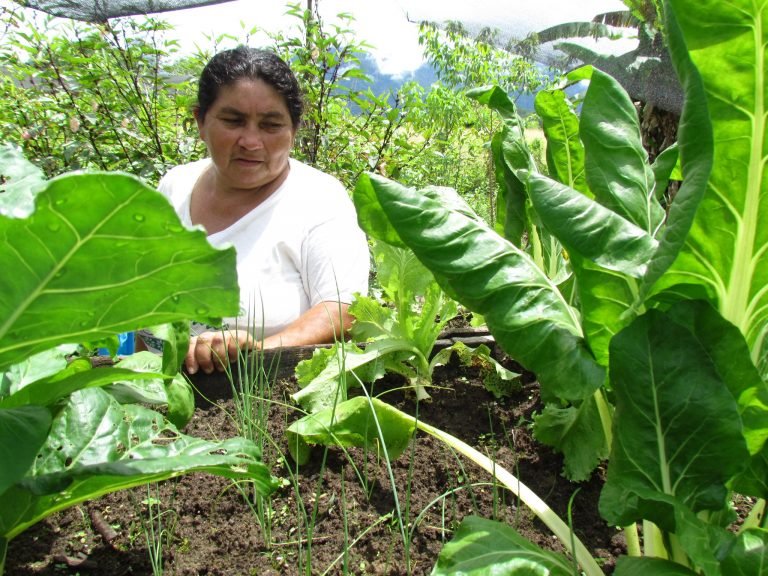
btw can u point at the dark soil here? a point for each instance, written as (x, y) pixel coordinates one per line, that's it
(214, 532)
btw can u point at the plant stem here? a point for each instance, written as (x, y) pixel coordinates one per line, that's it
(559, 528)
(606, 419)
(653, 542)
(633, 540)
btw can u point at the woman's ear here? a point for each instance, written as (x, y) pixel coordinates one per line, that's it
(198, 119)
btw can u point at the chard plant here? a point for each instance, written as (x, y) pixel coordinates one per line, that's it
(656, 360)
(89, 256)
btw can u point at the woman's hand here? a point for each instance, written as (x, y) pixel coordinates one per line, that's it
(324, 323)
(211, 351)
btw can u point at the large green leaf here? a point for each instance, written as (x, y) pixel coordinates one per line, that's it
(174, 392)
(674, 417)
(748, 555)
(489, 275)
(97, 445)
(20, 181)
(102, 254)
(643, 566)
(510, 154)
(565, 152)
(483, 547)
(695, 149)
(606, 298)
(360, 421)
(595, 232)
(23, 431)
(578, 433)
(35, 368)
(48, 390)
(725, 254)
(610, 129)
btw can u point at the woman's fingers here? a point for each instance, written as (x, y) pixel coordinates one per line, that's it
(205, 353)
(210, 351)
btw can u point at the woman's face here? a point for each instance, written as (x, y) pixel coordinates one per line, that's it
(249, 134)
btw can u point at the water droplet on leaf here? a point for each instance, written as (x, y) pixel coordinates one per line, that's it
(139, 217)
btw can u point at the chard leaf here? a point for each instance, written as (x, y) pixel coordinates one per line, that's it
(513, 161)
(23, 431)
(511, 221)
(642, 566)
(695, 149)
(79, 287)
(748, 555)
(97, 446)
(481, 547)
(586, 227)
(725, 254)
(577, 432)
(616, 162)
(703, 542)
(523, 309)
(35, 368)
(725, 346)
(510, 154)
(565, 152)
(674, 417)
(352, 423)
(606, 299)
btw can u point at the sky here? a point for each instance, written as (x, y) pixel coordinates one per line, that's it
(385, 23)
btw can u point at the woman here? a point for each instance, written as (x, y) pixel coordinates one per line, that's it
(300, 255)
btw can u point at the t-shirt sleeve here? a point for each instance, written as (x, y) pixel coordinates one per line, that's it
(335, 253)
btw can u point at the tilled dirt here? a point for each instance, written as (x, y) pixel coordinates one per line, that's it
(339, 502)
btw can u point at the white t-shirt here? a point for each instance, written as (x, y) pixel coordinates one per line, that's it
(299, 247)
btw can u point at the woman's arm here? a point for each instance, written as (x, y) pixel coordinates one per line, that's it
(324, 323)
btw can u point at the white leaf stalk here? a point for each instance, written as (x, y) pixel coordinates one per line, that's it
(559, 528)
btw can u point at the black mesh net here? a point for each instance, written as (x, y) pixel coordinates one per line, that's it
(101, 10)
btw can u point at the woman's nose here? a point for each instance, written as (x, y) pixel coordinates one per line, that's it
(251, 138)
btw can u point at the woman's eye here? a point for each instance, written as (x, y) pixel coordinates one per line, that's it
(232, 121)
(272, 126)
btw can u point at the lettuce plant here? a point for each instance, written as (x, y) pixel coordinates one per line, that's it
(658, 355)
(400, 329)
(88, 256)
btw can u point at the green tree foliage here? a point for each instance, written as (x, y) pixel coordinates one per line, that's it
(464, 62)
(118, 96)
(94, 96)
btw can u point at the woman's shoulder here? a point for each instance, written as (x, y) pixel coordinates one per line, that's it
(184, 172)
(178, 182)
(306, 175)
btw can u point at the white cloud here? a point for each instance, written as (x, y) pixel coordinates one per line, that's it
(385, 24)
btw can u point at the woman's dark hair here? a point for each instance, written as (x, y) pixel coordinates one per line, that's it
(229, 66)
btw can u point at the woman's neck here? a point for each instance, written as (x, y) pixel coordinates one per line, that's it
(216, 205)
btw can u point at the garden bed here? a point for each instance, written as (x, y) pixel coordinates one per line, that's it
(214, 531)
